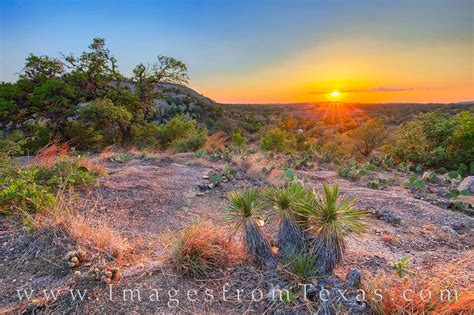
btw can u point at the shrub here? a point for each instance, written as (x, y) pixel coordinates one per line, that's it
(329, 216)
(243, 209)
(367, 137)
(109, 120)
(21, 191)
(274, 139)
(202, 249)
(182, 134)
(302, 267)
(144, 135)
(291, 236)
(354, 170)
(433, 139)
(238, 140)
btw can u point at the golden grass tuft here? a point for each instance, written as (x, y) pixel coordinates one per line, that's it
(202, 249)
(416, 301)
(52, 153)
(216, 143)
(86, 230)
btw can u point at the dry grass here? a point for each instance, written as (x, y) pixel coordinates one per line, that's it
(87, 231)
(107, 152)
(416, 301)
(203, 248)
(93, 164)
(52, 153)
(389, 238)
(216, 143)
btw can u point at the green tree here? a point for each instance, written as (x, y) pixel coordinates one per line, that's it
(367, 137)
(40, 68)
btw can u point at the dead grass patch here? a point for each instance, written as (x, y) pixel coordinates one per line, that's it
(216, 143)
(87, 231)
(52, 153)
(412, 295)
(202, 249)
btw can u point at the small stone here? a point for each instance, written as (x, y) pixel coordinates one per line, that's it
(75, 260)
(205, 176)
(353, 278)
(109, 274)
(77, 273)
(200, 194)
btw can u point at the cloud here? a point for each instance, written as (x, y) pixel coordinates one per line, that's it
(371, 90)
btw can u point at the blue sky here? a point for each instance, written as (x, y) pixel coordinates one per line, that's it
(234, 45)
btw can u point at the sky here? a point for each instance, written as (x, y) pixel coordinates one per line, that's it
(262, 51)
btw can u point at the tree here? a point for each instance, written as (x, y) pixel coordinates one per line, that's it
(110, 120)
(367, 137)
(95, 70)
(165, 70)
(40, 68)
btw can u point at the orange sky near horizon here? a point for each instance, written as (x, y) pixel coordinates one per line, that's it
(362, 70)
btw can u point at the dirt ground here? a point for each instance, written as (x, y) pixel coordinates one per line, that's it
(148, 201)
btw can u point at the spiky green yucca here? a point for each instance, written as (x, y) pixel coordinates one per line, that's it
(330, 216)
(243, 208)
(291, 236)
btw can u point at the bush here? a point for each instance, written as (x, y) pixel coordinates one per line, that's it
(144, 135)
(182, 134)
(433, 139)
(274, 140)
(367, 137)
(238, 140)
(109, 120)
(33, 187)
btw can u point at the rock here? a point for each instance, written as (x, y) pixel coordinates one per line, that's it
(200, 194)
(203, 187)
(389, 217)
(467, 183)
(353, 278)
(205, 176)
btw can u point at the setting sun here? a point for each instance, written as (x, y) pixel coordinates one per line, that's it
(335, 94)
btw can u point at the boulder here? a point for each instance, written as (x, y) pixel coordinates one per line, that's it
(467, 183)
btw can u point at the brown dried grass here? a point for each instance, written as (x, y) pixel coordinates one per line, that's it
(203, 248)
(88, 231)
(452, 277)
(52, 153)
(216, 143)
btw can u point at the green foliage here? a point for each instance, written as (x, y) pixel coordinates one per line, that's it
(354, 170)
(330, 216)
(244, 204)
(274, 139)
(238, 140)
(144, 135)
(373, 185)
(83, 98)
(109, 120)
(400, 267)
(367, 137)
(433, 139)
(182, 134)
(415, 184)
(32, 188)
(302, 267)
(120, 158)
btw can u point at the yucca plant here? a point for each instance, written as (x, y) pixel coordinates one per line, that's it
(243, 209)
(291, 236)
(330, 216)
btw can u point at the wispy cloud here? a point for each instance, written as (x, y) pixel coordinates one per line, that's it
(371, 90)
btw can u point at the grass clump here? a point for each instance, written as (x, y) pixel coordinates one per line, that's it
(202, 249)
(302, 267)
(243, 209)
(330, 216)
